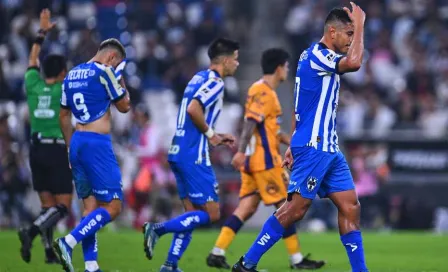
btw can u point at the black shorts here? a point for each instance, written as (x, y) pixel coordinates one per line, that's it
(50, 168)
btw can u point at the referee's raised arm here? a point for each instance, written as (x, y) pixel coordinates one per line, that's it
(45, 26)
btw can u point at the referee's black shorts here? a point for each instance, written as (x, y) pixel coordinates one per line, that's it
(49, 166)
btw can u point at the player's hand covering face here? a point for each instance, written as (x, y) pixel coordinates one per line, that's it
(231, 63)
(343, 33)
(114, 59)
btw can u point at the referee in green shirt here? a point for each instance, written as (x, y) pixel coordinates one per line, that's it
(52, 177)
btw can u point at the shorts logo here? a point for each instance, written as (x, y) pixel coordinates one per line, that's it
(196, 195)
(272, 187)
(311, 183)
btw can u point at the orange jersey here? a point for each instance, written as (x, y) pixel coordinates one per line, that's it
(262, 106)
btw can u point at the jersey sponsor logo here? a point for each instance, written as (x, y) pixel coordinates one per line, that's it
(43, 110)
(88, 227)
(264, 239)
(311, 183)
(187, 221)
(80, 74)
(44, 101)
(78, 84)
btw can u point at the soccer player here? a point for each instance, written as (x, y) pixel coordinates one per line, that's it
(318, 166)
(88, 91)
(52, 178)
(189, 153)
(258, 158)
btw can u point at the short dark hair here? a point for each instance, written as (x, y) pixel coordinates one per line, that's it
(115, 44)
(273, 58)
(337, 15)
(222, 47)
(54, 65)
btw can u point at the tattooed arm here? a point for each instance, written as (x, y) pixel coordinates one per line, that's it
(246, 135)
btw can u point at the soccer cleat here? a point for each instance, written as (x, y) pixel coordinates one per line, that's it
(99, 270)
(307, 263)
(217, 261)
(239, 267)
(150, 239)
(64, 253)
(50, 257)
(167, 268)
(52, 260)
(25, 248)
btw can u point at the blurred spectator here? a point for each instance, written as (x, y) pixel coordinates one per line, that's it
(13, 183)
(403, 80)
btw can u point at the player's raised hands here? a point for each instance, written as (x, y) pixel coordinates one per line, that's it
(357, 15)
(45, 20)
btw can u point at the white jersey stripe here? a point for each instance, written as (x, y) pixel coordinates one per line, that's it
(316, 67)
(316, 125)
(322, 58)
(333, 127)
(328, 116)
(201, 146)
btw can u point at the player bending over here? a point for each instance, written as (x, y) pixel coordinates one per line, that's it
(88, 91)
(189, 153)
(318, 166)
(258, 158)
(52, 178)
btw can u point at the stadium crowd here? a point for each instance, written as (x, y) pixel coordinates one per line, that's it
(399, 88)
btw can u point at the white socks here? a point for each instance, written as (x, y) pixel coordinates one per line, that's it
(92, 266)
(296, 258)
(218, 251)
(70, 240)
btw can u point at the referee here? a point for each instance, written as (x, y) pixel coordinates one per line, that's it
(52, 177)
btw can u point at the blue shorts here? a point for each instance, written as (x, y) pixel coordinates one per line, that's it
(94, 166)
(195, 181)
(318, 172)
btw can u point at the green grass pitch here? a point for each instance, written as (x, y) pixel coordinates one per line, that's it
(123, 252)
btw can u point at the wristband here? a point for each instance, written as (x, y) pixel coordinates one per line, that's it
(209, 133)
(39, 40)
(42, 32)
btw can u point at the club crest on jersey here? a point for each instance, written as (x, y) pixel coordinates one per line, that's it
(311, 183)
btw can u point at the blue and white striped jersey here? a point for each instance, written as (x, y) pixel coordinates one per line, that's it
(88, 90)
(316, 99)
(189, 144)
